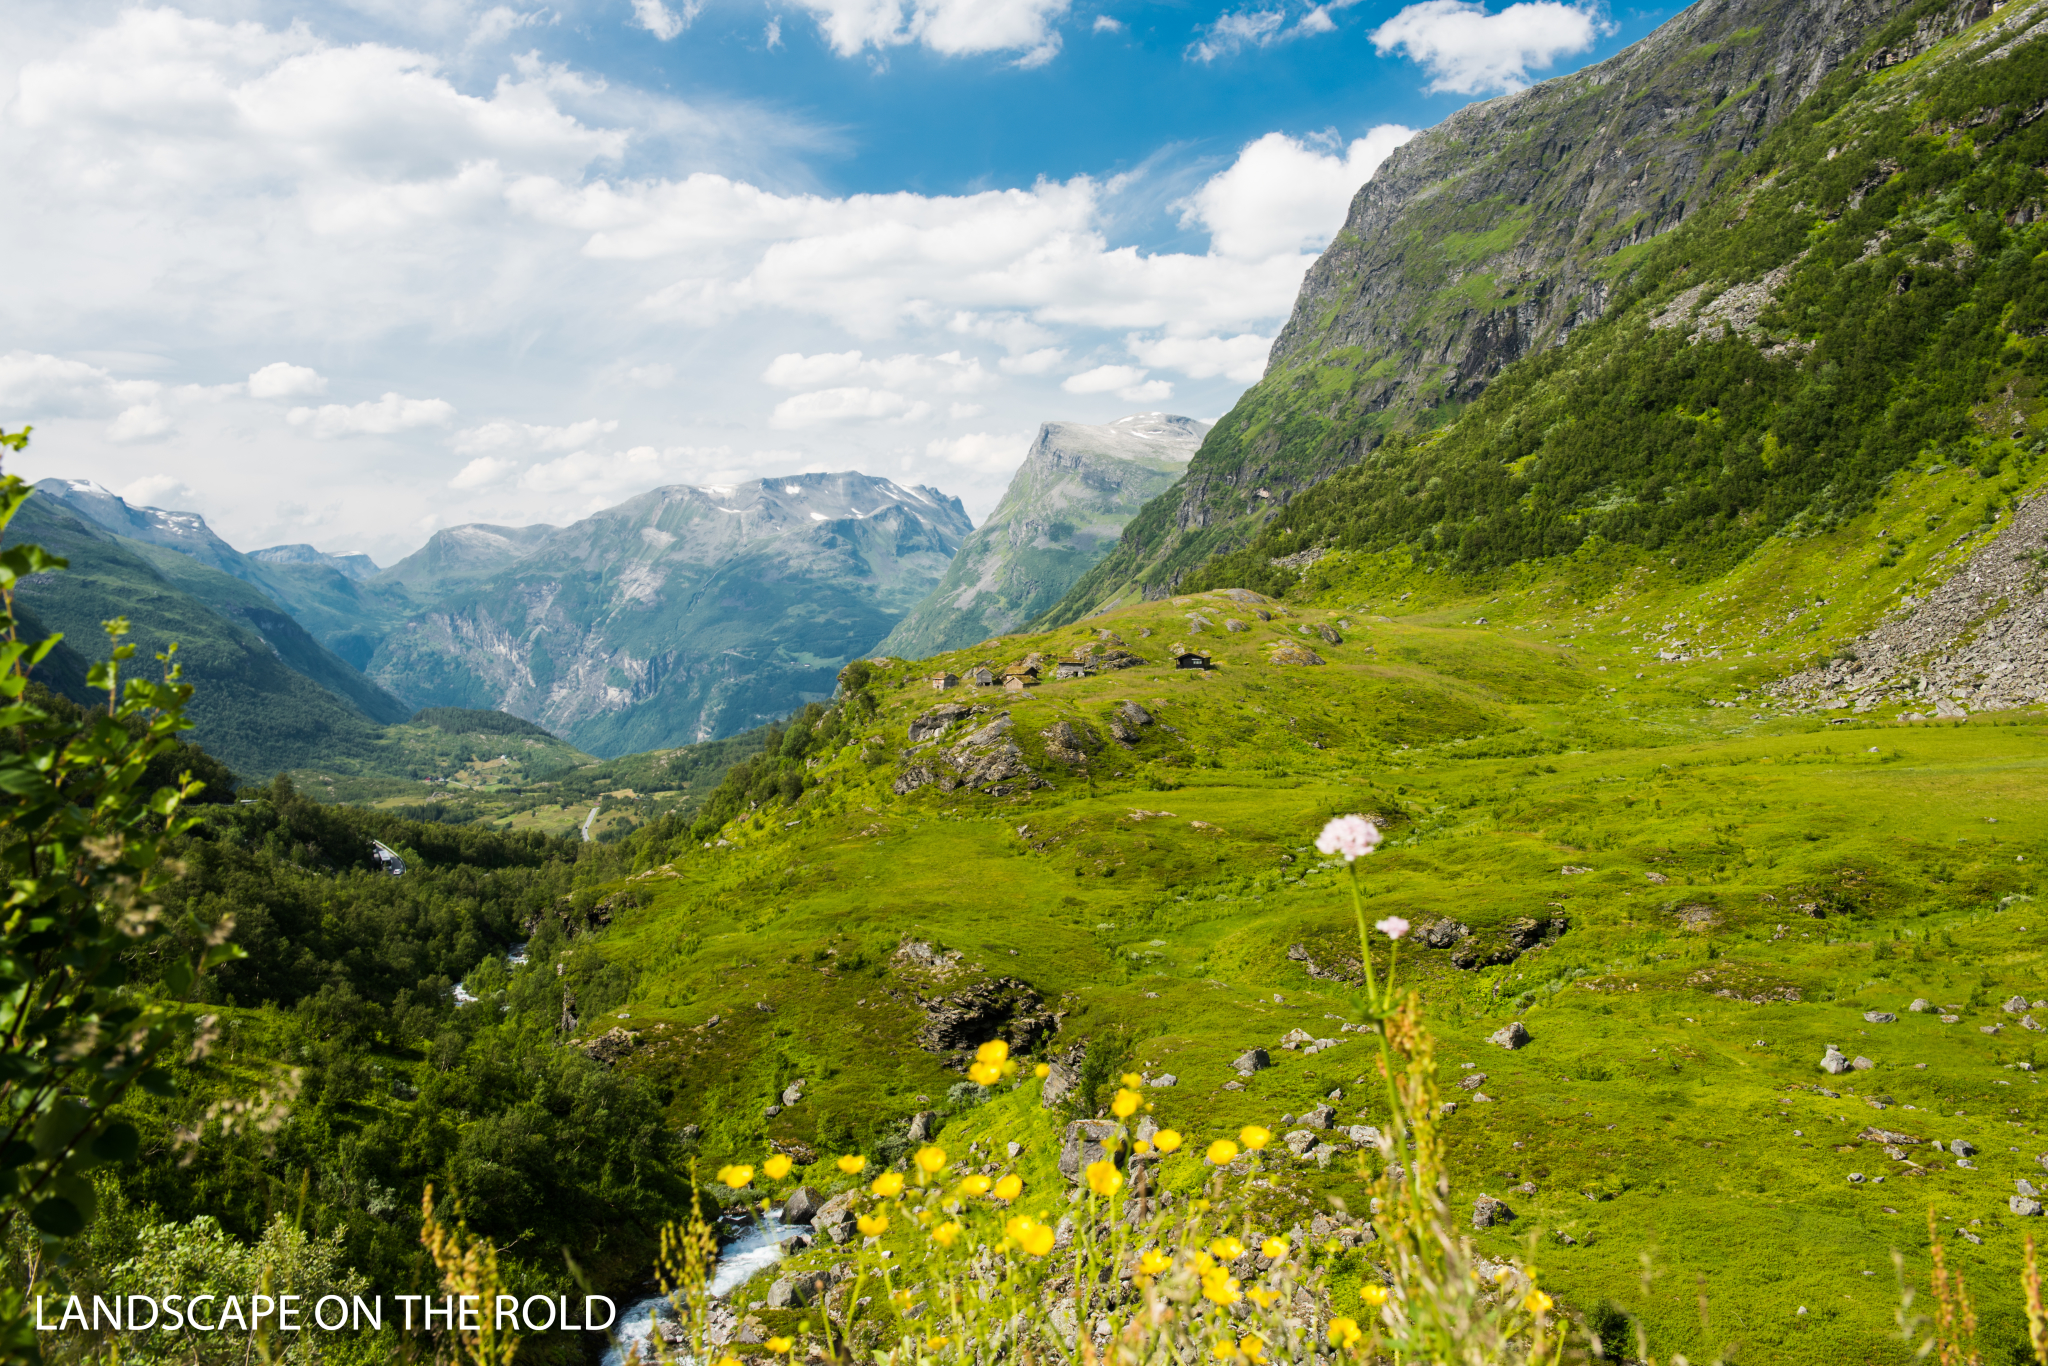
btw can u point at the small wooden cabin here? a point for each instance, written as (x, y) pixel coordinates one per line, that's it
(1192, 660)
(942, 681)
(1073, 668)
(980, 677)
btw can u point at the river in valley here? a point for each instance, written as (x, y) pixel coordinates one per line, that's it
(738, 1260)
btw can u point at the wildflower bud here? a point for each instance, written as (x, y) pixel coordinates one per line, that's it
(936, 1341)
(1126, 1104)
(873, 1225)
(1344, 1333)
(1104, 1179)
(975, 1185)
(1131, 1080)
(1040, 1071)
(1222, 1151)
(1141, 1147)
(1274, 1248)
(995, 1052)
(1255, 1136)
(780, 1345)
(888, 1185)
(1374, 1295)
(852, 1163)
(736, 1175)
(777, 1167)
(1536, 1302)
(984, 1073)
(1167, 1140)
(1010, 1187)
(931, 1161)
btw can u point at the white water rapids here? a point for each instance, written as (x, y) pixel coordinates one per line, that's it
(760, 1246)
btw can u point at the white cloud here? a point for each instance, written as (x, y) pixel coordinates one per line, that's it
(1105, 24)
(1232, 33)
(34, 386)
(652, 376)
(951, 373)
(772, 34)
(500, 22)
(482, 471)
(797, 371)
(1242, 358)
(1125, 381)
(610, 476)
(951, 27)
(1467, 51)
(280, 380)
(663, 22)
(521, 436)
(852, 403)
(960, 412)
(1032, 362)
(989, 452)
(156, 490)
(380, 417)
(143, 422)
(1282, 195)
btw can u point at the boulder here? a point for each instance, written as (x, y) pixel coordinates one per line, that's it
(1487, 1211)
(924, 1126)
(1472, 1081)
(2022, 1206)
(835, 1218)
(1013, 1149)
(802, 1206)
(1962, 1147)
(1861, 1063)
(1300, 1141)
(1920, 1003)
(2026, 1187)
(1510, 1036)
(1856, 1178)
(2029, 1022)
(1085, 1142)
(1165, 1079)
(1295, 1038)
(1130, 713)
(2016, 1006)
(770, 1111)
(1321, 1117)
(1060, 1081)
(799, 1291)
(794, 1092)
(1441, 933)
(1370, 1134)
(1252, 1060)
(1880, 1017)
(1833, 1062)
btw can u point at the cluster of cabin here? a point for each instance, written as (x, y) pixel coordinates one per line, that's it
(1030, 671)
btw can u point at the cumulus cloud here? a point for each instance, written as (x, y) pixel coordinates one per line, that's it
(951, 27)
(663, 22)
(1105, 24)
(1232, 33)
(1125, 381)
(611, 475)
(380, 417)
(1468, 51)
(280, 380)
(989, 452)
(951, 373)
(1032, 362)
(1241, 358)
(848, 403)
(481, 472)
(155, 490)
(1283, 195)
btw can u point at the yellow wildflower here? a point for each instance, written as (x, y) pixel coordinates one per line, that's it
(1220, 1289)
(1227, 1248)
(873, 1225)
(1034, 1237)
(1225, 1350)
(780, 1345)
(736, 1175)
(766, 1204)
(1141, 1147)
(984, 1073)
(1274, 1248)
(1132, 1080)
(975, 1185)
(1202, 1262)
(1221, 1151)
(936, 1341)
(1010, 1187)
(1263, 1297)
(931, 1161)
(1167, 1140)
(852, 1164)
(945, 1233)
(1374, 1295)
(777, 1167)
(1255, 1136)
(1154, 1262)
(888, 1185)
(995, 1052)
(1536, 1302)
(1126, 1103)
(1104, 1179)
(1040, 1071)
(727, 1360)
(1253, 1348)
(1344, 1333)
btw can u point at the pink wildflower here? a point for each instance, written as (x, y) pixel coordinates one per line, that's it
(1351, 836)
(1393, 927)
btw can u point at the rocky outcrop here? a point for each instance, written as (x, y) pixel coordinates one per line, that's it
(1976, 642)
(985, 759)
(1000, 1008)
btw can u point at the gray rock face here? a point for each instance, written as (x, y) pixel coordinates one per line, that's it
(935, 722)
(2025, 1187)
(1833, 1062)
(1510, 1036)
(1441, 932)
(924, 1126)
(1300, 1141)
(1321, 1117)
(1252, 1060)
(2016, 1006)
(1920, 1004)
(1369, 1134)
(1856, 1178)
(799, 1291)
(1487, 1212)
(2022, 1206)
(1879, 1017)
(1086, 1141)
(1861, 1063)
(1962, 1147)
(802, 1206)
(1164, 1079)
(794, 1092)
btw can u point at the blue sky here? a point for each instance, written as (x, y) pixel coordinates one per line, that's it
(349, 272)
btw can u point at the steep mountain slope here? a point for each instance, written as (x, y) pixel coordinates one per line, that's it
(1867, 297)
(1078, 486)
(253, 709)
(1489, 237)
(681, 615)
(460, 554)
(357, 567)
